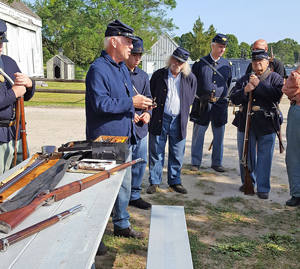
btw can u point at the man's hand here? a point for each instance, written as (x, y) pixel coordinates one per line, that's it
(136, 118)
(19, 90)
(142, 102)
(254, 80)
(145, 117)
(251, 85)
(22, 80)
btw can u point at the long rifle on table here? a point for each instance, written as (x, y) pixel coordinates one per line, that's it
(47, 152)
(20, 107)
(248, 186)
(16, 237)
(11, 219)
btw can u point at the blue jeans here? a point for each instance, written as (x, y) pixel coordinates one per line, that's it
(260, 155)
(138, 151)
(121, 216)
(157, 143)
(198, 142)
(292, 157)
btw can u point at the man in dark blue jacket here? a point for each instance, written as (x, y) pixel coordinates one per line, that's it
(174, 89)
(8, 97)
(266, 88)
(141, 85)
(110, 104)
(213, 74)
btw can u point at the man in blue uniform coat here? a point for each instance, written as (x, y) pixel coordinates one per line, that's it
(110, 104)
(8, 97)
(266, 87)
(213, 74)
(174, 88)
(140, 82)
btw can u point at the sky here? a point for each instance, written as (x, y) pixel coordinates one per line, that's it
(272, 20)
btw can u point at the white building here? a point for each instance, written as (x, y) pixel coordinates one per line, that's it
(24, 33)
(156, 58)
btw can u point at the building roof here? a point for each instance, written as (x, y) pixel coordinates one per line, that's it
(20, 6)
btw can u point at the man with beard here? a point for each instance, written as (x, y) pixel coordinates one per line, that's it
(174, 88)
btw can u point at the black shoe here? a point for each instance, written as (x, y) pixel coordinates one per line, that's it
(242, 188)
(263, 195)
(178, 188)
(102, 249)
(129, 232)
(140, 203)
(220, 168)
(195, 168)
(294, 201)
(152, 188)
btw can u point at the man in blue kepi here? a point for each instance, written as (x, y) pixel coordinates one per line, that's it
(141, 85)
(213, 74)
(109, 105)
(23, 86)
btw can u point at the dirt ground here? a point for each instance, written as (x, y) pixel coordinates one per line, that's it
(54, 126)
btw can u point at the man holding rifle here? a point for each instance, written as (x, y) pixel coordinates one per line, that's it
(9, 132)
(266, 91)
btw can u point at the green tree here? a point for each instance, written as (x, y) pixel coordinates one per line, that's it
(286, 50)
(79, 26)
(232, 47)
(245, 50)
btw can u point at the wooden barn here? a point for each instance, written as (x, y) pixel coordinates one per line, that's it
(156, 58)
(24, 33)
(60, 66)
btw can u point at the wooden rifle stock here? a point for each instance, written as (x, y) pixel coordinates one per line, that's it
(11, 219)
(16, 237)
(248, 190)
(23, 129)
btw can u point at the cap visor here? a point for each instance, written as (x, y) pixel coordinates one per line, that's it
(180, 59)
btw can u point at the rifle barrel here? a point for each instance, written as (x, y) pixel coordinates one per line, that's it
(16, 237)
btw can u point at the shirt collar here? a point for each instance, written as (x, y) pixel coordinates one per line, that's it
(214, 59)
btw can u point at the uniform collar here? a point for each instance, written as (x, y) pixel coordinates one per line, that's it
(213, 60)
(105, 55)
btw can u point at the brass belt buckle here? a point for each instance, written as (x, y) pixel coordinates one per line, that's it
(255, 108)
(214, 99)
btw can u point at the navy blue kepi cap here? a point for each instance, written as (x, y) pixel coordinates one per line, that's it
(220, 38)
(181, 54)
(3, 29)
(138, 45)
(117, 28)
(260, 55)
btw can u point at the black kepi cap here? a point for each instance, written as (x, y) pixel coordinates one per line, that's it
(3, 29)
(220, 38)
(117, 28)
(181, 54)
(260, 55)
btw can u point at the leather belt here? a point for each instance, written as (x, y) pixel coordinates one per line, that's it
(7, 124)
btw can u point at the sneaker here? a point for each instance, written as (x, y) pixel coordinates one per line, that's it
(130, 232)
(219, 168)
(140, 203)
(152, 188)
(263, 195)
(195, 168)
(294, 201)
(102, 249)
(178, 188)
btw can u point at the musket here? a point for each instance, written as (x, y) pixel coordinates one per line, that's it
(11, 219)
(211, 144)
(248, 190)
(6, 188)
(16, 237)
(20, 105)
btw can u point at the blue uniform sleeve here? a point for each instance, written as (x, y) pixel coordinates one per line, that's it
(103, 98)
